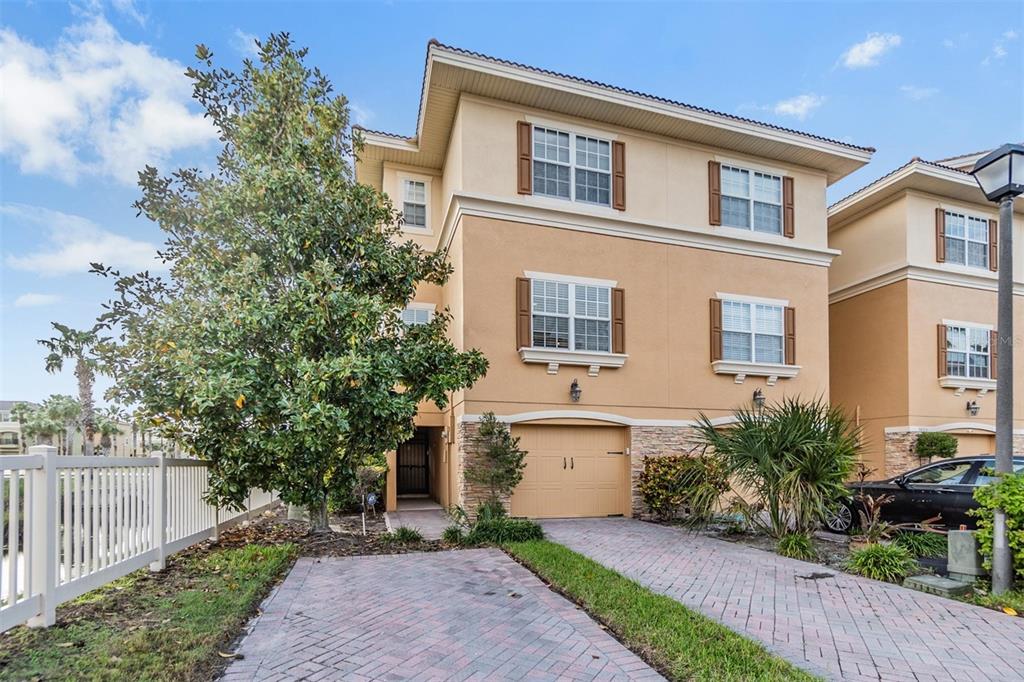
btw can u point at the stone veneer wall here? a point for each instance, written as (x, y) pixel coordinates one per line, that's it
(900, 456)
(469, 496)
(656, 441)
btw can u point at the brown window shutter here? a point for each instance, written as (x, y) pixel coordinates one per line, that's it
(714, 193)
(618, 321)
(524, 331)
(943, 369)
(940, 235)
(618, 176)
(788, 229)
(716, 329)
(525, 157)
(993, 349)
(993, 245)
(790, 342)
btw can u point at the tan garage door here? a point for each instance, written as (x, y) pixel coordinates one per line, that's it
(975, 444)
(572, 471)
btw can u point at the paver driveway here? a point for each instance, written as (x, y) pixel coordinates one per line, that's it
(841, 627)
(472, 614)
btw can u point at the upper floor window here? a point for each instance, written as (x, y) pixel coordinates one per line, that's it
(967, 240)
(414, 314)
(968, 352)
(751, 200)
(753, 332)
(571, 316)
(8, 438)
(570, 166)
(414, 206)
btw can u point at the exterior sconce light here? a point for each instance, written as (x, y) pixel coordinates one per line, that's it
(972, 408)
(575, 391)
(758, 399)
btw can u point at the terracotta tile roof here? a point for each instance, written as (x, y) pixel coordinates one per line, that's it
(507, 62)
(916, 159)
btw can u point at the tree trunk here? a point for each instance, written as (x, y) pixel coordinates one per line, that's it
(85, 379)
(318, 516)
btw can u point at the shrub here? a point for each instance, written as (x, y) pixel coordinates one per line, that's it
(502, 530)
(498, 468)
(453, 535)
(934, 444)
(673, 484)
(403, 535)
(797, 546)
(891, 563)
(1006, 493)
(795, 456)
(922, 544)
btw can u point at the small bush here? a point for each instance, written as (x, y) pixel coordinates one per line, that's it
(891, 563)
(1006, 493)
(403, 535)
(797, 546)
(453, 535)
(934, 444)
(922, 544)
(672, 485)
(503, 530)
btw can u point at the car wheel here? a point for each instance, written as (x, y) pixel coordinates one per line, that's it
(839, 518)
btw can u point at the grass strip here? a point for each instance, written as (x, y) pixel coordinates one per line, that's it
(168, 626)
(680, 643)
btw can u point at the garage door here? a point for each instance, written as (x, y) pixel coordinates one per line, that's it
(572, 471)
(975, 444)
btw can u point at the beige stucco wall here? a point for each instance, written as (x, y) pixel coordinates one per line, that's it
(873, 244)
(668, 374)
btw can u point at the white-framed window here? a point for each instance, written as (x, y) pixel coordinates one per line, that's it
(751, 200)
(571, 166)
(571, 316)
(967, 352)
(753, 332)
(417, 314)
(414, 203)
(966, 240)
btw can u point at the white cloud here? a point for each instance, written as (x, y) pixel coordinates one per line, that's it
(868, 52)
(93, 103)
(918, 93)
(34, 300)
(73, 242)
(245, 44)
(999, 50)
(799, 107)
(360, 114)
(1011, 35)
(949, 42)
(128, 8)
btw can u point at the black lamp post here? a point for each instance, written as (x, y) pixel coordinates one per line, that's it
(1000, 174)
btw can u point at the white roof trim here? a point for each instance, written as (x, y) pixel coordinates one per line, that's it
(594, 416)
(951, 426)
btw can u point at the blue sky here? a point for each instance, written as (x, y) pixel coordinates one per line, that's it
(90, 91)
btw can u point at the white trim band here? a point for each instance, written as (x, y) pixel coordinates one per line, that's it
(553, 357)
(742, 370)
(594, 416)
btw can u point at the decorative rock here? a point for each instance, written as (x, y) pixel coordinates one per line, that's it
(934, 584)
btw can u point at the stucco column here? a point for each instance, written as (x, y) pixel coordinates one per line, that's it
(391, 483)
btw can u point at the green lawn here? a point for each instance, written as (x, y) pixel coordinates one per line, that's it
(682, 644)
(168, 626)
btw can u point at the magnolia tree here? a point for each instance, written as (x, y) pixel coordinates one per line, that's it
(275, 348)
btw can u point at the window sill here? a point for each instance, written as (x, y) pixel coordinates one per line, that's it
(554, 358)
(742, 370)
(961, 384)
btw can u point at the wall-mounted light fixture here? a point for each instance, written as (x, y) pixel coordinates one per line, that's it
(575, 391)
(758, 399)
(972, 408)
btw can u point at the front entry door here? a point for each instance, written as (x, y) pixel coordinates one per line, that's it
(414, 466)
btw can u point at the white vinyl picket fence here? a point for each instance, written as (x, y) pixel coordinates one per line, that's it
(72, 524)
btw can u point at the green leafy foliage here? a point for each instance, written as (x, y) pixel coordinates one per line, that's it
(797, 546)
(275, 350)
(1007, 493)
(498, 466)
(80, 346)
(889, 562)
(499, 531)
(453, 535)
(922, 544)
(794, 456)
(936, 444)
(671, 485)
(403, 535)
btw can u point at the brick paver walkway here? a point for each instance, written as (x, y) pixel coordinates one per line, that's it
(473, 614)
(841, 627)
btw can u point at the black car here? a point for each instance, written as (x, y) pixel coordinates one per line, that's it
(945, 488)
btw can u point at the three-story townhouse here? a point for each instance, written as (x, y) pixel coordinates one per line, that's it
(625, 262)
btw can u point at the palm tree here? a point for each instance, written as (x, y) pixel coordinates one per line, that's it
(80, 346)
(108, 423)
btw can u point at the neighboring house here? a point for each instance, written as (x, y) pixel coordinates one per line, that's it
(11, 442)
(913, 310)
(663, 259)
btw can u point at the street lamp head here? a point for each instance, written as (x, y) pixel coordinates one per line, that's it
(1000, 173)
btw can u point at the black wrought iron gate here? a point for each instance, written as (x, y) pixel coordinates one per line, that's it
(414, 466)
